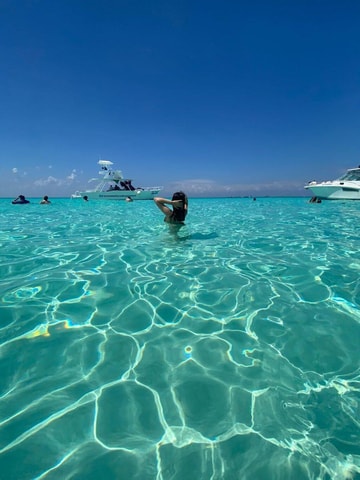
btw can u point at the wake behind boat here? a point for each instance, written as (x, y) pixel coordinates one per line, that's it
(113, 186)
(347, 187)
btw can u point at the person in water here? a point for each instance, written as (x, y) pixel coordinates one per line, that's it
(86, 198)
(45, 200)
(179, 202)
(20, 200)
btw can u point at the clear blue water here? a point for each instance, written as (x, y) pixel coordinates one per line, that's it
(226, 350)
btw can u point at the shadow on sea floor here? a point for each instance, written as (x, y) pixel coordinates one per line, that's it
(180, 234)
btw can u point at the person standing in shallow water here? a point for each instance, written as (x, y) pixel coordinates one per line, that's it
(45, 200)
(179, 202)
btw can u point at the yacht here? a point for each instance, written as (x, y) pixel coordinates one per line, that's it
(111, 185)
(347, 187)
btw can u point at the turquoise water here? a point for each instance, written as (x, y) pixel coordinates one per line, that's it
(226, 350)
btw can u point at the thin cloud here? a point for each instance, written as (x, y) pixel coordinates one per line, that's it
(47, 181)
(59, 182)
(206, 187)
(72, 175)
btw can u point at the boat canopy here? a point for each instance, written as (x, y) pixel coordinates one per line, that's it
(105, 163)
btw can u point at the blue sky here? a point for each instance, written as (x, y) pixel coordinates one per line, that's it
(214, 97)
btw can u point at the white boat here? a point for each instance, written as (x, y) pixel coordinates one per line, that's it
(347, 187)
(113, 186)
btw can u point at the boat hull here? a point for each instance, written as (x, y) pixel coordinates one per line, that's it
(334, 191)
(138, 194)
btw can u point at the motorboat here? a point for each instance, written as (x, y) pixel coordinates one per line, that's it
(112, 185)
(347, 187)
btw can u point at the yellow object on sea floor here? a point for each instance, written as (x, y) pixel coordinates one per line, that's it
(42, 330)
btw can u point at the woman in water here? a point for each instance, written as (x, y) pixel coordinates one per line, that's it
(179, 202)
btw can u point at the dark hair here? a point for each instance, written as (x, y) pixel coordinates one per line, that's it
(179, 196)
(179, 213)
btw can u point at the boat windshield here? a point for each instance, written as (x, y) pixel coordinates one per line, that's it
(352, 175)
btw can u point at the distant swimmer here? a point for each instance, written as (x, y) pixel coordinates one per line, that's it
(315, 200)
(179, 202)
(20, 200)
(45, 200)
(86, 198)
